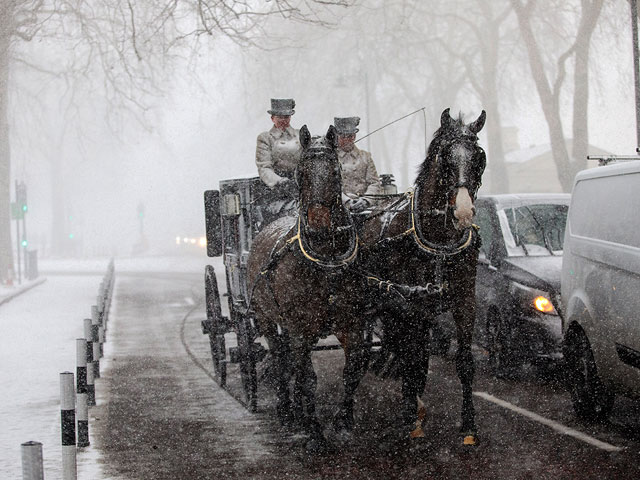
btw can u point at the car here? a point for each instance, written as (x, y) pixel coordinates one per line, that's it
(601, 288)
(518, 317)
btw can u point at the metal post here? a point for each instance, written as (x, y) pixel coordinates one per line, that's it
(81, 392)
(68, 426)
(18, 240)
(24, 238)
(91, 389)
(636, 65)
(32, 468)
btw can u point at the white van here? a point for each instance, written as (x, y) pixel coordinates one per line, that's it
(600, 288)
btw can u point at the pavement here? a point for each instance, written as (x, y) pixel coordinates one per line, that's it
(7, 293)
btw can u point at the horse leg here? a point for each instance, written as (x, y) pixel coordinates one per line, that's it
(279, 344)
(415, 365)
(464, 316)
(356, 361)
(305, 383)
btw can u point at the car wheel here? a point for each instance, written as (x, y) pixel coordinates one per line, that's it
(502, 361)
(591, 399)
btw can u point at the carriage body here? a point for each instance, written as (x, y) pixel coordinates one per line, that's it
(233, 217)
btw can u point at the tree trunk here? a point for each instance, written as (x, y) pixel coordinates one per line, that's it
(6, 246)
(548, 96)
(580, 150)
(489, 95)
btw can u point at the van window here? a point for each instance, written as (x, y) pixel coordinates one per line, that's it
(607, 208)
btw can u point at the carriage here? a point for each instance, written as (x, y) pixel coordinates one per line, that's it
(335, 259)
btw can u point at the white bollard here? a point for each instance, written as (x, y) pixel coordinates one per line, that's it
(81, 392)
(91, 389)
(32, 468)
(101, 325)
(95, 335)
(68, 426)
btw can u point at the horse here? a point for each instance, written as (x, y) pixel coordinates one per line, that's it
(303, 287)
(429, 250)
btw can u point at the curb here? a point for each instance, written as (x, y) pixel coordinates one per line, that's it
(21, 290)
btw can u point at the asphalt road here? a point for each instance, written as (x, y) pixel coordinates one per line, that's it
(163, 417)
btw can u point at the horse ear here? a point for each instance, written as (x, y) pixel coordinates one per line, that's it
(305, 137)
(476, 126)
(445, 118)
(332, 136)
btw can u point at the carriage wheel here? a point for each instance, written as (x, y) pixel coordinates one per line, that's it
(247, 354)
(216, 332)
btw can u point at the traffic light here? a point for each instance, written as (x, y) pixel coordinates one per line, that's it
(21, 197)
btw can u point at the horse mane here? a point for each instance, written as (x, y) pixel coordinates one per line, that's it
(441, 137)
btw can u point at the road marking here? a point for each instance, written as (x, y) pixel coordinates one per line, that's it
(558, 427)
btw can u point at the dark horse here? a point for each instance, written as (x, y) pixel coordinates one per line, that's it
(429, 249)
(303, 286)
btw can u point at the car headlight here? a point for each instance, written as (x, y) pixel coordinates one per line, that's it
(529, 297)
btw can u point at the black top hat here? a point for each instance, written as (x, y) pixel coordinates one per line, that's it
(346, 125)
(282, 107)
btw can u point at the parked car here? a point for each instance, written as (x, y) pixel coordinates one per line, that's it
(518, 278)
(601, 288)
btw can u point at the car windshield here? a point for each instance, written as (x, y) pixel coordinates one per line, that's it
(533, 230)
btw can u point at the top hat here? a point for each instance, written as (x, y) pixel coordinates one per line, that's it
(346, 125)
(282, 107)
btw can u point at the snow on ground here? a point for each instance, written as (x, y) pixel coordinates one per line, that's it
(38, 330)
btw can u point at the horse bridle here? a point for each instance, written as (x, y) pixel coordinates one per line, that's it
(302, 226)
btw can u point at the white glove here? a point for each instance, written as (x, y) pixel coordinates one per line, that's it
(358, 204)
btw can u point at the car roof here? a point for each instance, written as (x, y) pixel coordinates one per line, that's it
(507, 200)
(631, 166)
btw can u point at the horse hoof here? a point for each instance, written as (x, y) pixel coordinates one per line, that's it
(417, 433)
(470, 439)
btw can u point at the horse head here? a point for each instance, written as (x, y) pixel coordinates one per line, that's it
(319, 179)
(454, 167)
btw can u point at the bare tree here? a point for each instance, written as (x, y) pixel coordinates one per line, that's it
(550, 85)
(476, 36)
(124, 47)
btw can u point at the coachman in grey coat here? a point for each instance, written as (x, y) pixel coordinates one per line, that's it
(278, 150)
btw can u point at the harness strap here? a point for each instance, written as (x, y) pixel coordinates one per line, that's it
(339, 263)
(423, 244)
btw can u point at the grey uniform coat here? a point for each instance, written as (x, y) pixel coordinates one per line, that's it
(359, 175)
(277, 154)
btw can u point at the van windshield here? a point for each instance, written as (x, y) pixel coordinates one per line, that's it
(533, 230)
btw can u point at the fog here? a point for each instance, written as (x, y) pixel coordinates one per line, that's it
(90, 158)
